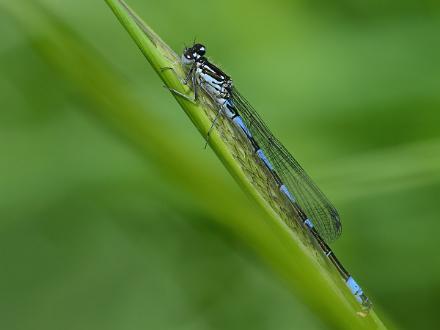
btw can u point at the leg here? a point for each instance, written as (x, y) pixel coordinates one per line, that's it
(195, 87)
(186, 97)
(189, 76)
(212, 126)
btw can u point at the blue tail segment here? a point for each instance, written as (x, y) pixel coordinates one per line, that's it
(239, 122)
(308, 223)
(286, 192)
(356, 290)
(263, 157)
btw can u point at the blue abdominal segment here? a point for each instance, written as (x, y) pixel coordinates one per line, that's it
(355, 289)
(239, 122)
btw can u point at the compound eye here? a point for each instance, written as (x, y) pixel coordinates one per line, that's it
(200, 49)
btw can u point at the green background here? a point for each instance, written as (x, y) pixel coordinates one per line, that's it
(95, 235)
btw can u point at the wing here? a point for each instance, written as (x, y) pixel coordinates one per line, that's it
(310, 198)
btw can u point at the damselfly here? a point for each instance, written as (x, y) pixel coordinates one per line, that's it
(316, 212)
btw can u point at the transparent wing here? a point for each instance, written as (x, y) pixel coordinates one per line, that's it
(310, 198)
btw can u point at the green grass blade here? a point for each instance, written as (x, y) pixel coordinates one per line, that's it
(322, 283)
(304, 272)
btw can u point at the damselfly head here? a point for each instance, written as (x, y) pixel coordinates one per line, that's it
(193, 53)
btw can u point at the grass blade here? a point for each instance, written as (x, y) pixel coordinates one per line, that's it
(322, 282)
(310, 278)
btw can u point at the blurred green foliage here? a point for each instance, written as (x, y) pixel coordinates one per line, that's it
(94, 236)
